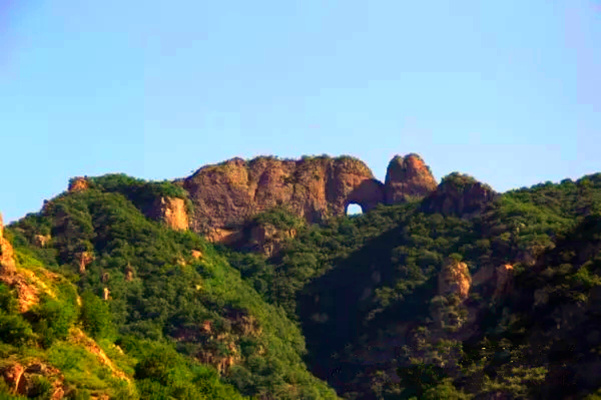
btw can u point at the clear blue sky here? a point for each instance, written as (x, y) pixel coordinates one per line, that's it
(507, 91)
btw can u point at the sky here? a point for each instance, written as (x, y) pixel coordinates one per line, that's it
(505, 91)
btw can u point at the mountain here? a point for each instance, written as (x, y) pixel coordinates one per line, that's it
(248, 280)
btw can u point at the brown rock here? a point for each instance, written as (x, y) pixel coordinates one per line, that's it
(454, 279)
(227, 195)
(41, 240)
(84, 258)
(21, 379)
(497, 281)
(460, 195)
(27, 294)
(483, 276)
(267, 239)
(408, 178)
(172, 211)
(224, 236)
(78, 184)
(129, 273)
(7, 258)
(12, 376)
(503, 280)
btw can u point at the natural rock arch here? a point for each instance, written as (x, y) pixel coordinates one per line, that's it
(353, 209)
(368, 194)
(226, 196)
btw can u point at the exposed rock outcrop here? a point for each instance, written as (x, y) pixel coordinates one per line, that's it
(172, 211)
(129, 273)
(503, 280)
(494, 281)
(7, 258)
(226, 195)
(41, 240)
(454, 278)
(223, 236)
(460, 195)
(21, 379)
(78, 184)
(267, 239)
(84, 258)
(408, 178)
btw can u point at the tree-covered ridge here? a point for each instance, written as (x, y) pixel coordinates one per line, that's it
(405, 301)
(367, 294)
(192, 327)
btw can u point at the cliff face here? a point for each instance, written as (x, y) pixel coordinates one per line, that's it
(172, 211)
(408, 177)
(228, 194)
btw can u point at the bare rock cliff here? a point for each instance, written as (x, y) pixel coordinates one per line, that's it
(408, 177)
(226, 195)
(172, 211)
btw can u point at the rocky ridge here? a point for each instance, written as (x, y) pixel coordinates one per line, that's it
(227, 195)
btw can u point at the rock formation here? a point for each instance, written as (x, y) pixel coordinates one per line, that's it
(503, 280)
(408, 177)
(21, 379)
(129, 273)
(172, 211)
(228, 194)
(83, 259)
(78, 184)
(459, 195)
(267, 239)
(495, 282)
(454, 278)
(41, 240)
(7, 259)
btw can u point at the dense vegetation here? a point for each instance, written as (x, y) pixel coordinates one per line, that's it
(180, 318)
(365, 290)
(191, 327)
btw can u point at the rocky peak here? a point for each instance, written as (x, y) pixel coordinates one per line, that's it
(408, 177)
(78, 184)
(460, 195)
(7, 260)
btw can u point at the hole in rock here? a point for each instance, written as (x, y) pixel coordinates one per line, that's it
(354, 209)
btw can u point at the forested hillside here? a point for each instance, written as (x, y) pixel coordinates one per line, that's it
(464, 293)
(428, 301)
(179, 321)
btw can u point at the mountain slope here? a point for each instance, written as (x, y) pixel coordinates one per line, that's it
(414, 299)
(167, 292)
